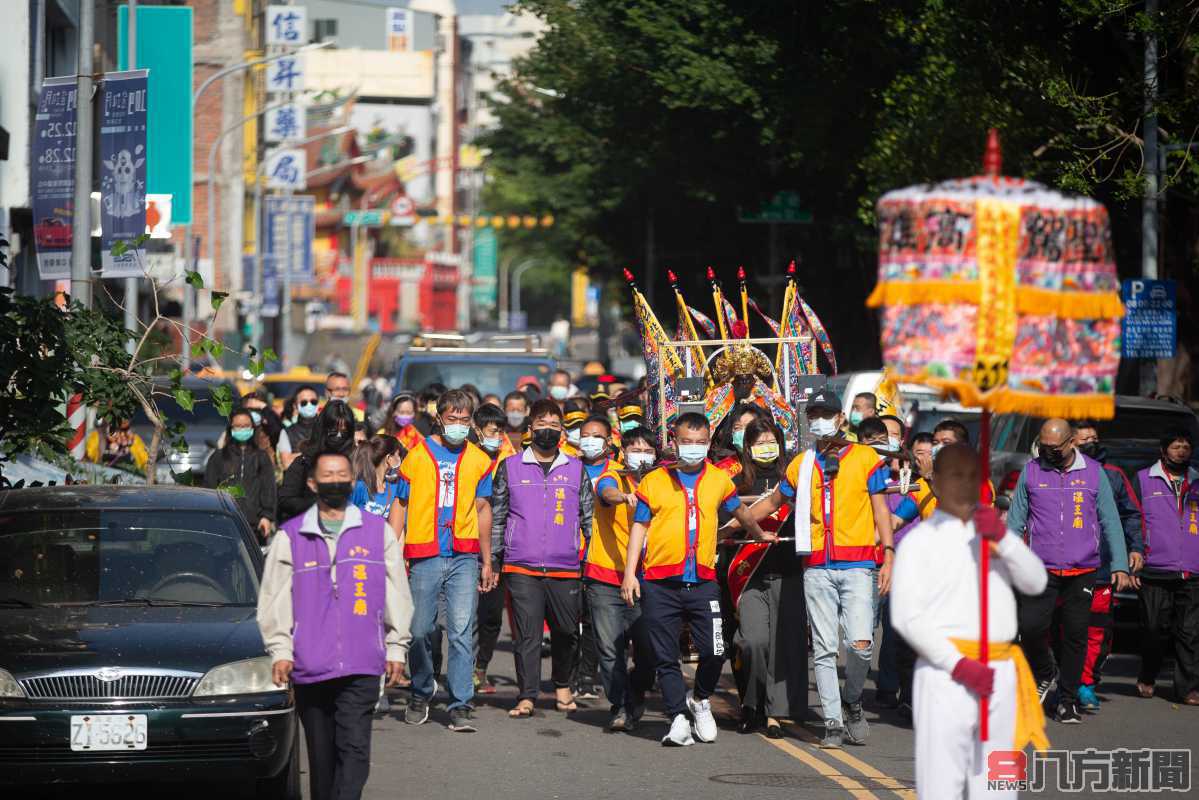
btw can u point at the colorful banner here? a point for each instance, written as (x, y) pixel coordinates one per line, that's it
(123, 105)
(54, 177)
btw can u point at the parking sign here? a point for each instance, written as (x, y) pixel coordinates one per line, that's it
(1150, 327)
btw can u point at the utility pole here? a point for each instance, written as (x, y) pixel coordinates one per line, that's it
(131, 283)
(81, 231)
(1149, 209)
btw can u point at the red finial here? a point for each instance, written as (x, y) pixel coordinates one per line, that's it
(791, 268)
(741, 274)
(993, 157)
(711, 274)
(628, 276)
(740, 329)
(672, 277)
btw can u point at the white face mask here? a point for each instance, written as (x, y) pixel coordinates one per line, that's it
(893, 443)
(639, 460)
(692, 454)
(591, 446)
(822, 427)
(573, 436)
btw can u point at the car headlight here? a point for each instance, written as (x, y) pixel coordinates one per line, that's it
(9, 686)
(252, 676)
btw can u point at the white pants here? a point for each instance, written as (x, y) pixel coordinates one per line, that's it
(950, 761)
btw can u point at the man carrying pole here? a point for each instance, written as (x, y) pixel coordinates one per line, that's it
(935, 606)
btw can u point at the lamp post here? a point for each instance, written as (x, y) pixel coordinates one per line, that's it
(520, 270)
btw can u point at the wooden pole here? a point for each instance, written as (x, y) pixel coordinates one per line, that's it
(984, 571)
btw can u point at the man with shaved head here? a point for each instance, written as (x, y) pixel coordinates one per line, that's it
(1064, 505)
(935, 607)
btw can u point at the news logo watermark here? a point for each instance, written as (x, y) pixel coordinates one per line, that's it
(1090, 770)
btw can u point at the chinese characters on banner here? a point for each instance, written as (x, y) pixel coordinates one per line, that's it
(1150, 318)
(286, 26)
(123, 97)
(286, 124)
(54, 177)
(399, 29)
(285, 169)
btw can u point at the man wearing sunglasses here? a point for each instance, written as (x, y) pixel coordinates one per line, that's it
(1063, 505)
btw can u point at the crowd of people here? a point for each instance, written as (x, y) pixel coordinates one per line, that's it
(630, 555)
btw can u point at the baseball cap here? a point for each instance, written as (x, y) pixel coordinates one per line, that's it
(825, 399)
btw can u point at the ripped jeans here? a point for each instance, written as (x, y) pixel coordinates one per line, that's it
(840, 600)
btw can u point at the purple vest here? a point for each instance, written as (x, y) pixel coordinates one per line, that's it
(338, 630)
(1171, 526)
(542, 531)
(1063, 514)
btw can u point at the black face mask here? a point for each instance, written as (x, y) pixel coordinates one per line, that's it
(338, 440)
(1053, 457)
(1091, 450)
(1175, 467)
(335, 494)
(546, 439)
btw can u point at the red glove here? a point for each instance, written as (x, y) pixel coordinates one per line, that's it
(975, 676)
(988, 524)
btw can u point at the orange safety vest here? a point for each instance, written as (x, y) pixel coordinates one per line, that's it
(421, 471)
(610, 526)
(847, 512)
(666, 542)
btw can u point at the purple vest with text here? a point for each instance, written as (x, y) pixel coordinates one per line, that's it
(542, 531)
(1063, 514)
(338, 630)
(1171, 524)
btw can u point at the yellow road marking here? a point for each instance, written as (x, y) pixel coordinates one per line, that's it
(854, 788)
(882, 779)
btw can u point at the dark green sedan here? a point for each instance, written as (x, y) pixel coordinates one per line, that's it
(129, 649)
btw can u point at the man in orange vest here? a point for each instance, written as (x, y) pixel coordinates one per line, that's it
(675, 523)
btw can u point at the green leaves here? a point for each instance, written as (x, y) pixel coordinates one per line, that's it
(222, 398)
(194, 279)
(184, 398)
(218, 299)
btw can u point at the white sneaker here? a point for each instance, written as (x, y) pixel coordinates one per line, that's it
(680, 733)
(705, 723)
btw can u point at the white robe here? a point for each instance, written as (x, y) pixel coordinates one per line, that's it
(934, 598)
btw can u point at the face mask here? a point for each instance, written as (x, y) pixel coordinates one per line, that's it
(404, 420)
(739, 439)
(822, 427)
(337, 439)
(1053, 456)
(516, 419)
(639, 461)
(592, 446)
(893, 443)
(628, 425)
(334, 494)
(1175, 467)
(307, 411)
(559, 392)
(855, 418)
(766, 452)
(256, 417)
(692, 454)
(573, 436)
(242, 435)
(331, 399)
(456, 434)
(1090, 449)
(392, 475)
(546, 439)
(936, 449)
(492, 444)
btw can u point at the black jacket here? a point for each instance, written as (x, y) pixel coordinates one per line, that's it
(294, 495)
(250, 469)
(1129, 506)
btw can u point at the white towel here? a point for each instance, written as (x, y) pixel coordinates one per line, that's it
(803, 503)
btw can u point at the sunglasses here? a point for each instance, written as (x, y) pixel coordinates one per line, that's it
(308, 402)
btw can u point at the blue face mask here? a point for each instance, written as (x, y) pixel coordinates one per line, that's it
(692, 454)
(307, 411)
(855, 418)
(456, 434)
(559, 392)
(592, 446)
(628, 425)
(491, 444)
(739, 439)
(242, 435)
(254, 415)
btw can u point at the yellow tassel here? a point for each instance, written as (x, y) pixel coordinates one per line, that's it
(1010, 401)
(1070, 305)
(904, 293)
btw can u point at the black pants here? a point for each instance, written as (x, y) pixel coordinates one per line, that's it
(586, 666)
(773, 647)
(905, 665)
(535, 601)
(336, 715)
(491, 620)
(1036, 617)
(665, 607)
(1170, 610)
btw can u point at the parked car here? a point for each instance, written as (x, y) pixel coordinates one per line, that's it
(129, 648)
(922, 408)
(494, 365)
(204, 425)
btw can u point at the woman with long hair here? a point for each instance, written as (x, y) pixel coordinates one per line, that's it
(333, 431)
(767, 593)
(401, 419)
(242, 463)
(376, 474)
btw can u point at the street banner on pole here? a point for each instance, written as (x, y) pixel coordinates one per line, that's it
(54, 177)
(268, 304)
(486, 259)
(285, 75)
(123, 104)
(285, 168)
(1150, 318)
(285, 124)
(290, 227)
(286, 26)
(399, 29)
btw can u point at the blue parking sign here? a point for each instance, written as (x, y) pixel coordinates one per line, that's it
(1150, 327)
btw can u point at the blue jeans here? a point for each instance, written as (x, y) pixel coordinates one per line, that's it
(614, 624)
(455, 579)
(840, 599)
(887, 679)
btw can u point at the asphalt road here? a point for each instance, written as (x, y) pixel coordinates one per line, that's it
(559, 756)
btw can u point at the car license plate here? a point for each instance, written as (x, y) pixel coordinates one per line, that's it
(108, 732)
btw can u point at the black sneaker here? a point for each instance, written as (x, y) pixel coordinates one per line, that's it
(886, 699)
(619, 720)
(905, 713)
(1046, 686)
(586, 691)
(832, 736)
(1067, 714)
(460, 720)
(856, 727)
(637, 708)
(417, 712)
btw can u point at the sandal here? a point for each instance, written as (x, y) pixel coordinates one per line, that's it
(524, 710)
(1145, 690)
(566, 708)
(773, 729)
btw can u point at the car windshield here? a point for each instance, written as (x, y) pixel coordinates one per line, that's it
(929, 418)
(204, 412)
(489, 375)
(1146, 424)
(89, 556)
